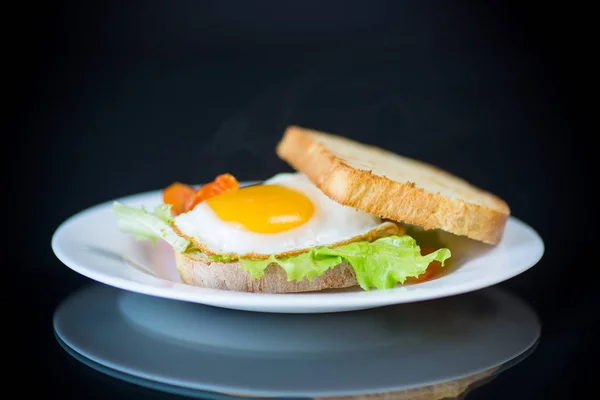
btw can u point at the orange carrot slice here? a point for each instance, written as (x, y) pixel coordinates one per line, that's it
(222, 184)
(178, 195)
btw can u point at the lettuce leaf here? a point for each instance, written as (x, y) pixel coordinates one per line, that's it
(387, 261)
(305, 265)
(381, 264)
(146, 225)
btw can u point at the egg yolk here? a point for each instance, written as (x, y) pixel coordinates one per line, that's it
(263, 208)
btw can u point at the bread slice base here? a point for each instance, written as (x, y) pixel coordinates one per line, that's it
(231, 276)
(361, 176)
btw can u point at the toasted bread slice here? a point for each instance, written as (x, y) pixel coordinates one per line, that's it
(392, 186)
(231, 276)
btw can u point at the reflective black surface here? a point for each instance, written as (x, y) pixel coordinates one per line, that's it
(114, 99)
(174, 345)
(125, 380)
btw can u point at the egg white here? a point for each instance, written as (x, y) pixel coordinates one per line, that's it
(331, 223)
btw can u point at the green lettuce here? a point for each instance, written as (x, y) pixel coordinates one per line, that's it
(381, 264)
(305, 265)
(146, 225)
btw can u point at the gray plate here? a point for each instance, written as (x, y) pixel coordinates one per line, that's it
(195, 347)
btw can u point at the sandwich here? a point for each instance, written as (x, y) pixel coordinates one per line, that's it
(342, 219)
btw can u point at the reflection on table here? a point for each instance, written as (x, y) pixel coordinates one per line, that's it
(429, 350)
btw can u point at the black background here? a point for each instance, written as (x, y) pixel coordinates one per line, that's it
(115, 98)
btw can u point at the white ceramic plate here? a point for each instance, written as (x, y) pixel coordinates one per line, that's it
(190, 347)
(91, 244)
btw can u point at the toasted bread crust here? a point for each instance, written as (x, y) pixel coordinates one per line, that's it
(476, 214)
(231, 276)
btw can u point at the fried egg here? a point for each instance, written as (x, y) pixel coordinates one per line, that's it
(286, 214)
